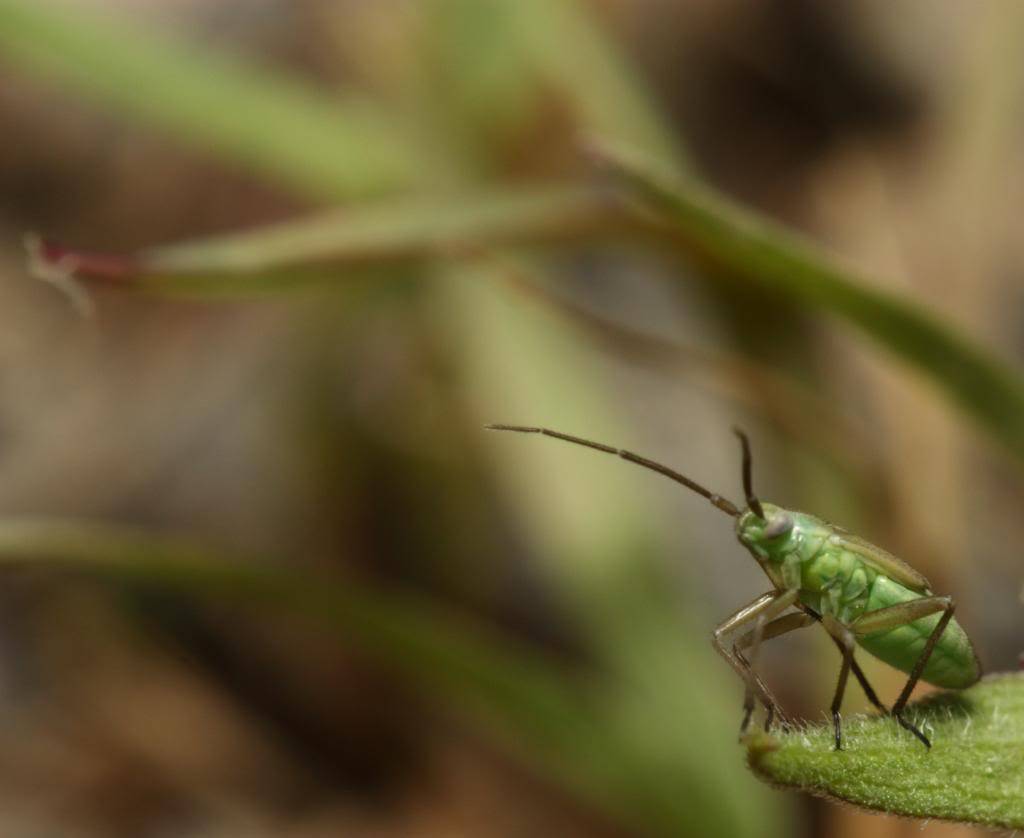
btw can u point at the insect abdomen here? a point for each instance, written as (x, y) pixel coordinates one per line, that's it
(952, 664)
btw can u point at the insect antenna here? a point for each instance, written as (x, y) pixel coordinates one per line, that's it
(748, 483)
(717, 500)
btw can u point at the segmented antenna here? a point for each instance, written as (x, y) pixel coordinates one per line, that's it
(748, 483)
(717, 500)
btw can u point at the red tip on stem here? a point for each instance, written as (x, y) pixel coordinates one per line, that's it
(81, 264)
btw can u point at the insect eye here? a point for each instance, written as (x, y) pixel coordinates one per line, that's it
(779, 525)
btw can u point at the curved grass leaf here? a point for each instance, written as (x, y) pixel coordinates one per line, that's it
(306, 139)
(386, 231)
(974, 771)
(726, 237)
(786, 402)
(481, 671)
(315, 142)
(496, 52)
(405, 629)
(333, 246)
(537, 706)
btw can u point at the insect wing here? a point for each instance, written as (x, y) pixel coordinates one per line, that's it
(884, 562)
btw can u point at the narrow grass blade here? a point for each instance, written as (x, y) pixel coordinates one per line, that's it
(407, 630)
(539, 707)
(332, 246)
(274, 124)
(722, 235)
(973, 773)
(502, 52)
(789, 404)
(396, 229)
(570, 49)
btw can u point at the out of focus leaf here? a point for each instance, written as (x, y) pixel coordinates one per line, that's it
(388, 231)
(501, 51)
(747, 246)
(406, 629)
(974, 771)
(794, 407)
(571, 51)
(324, 146)
(332, 245)
(556, 716)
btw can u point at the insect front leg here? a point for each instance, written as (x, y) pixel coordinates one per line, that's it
(901, 615)
(846, 640)
(759, 612)
(776, 628)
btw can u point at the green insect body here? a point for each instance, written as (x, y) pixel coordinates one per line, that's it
(842, 576)
(860, 594)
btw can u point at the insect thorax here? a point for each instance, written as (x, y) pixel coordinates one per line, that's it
(797, 550)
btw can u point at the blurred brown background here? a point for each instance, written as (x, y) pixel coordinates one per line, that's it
(339, 429)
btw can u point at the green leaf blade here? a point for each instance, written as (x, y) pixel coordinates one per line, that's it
(706, 225)
(386, 230)
(280, 126)
(540, 707)
(974, 772)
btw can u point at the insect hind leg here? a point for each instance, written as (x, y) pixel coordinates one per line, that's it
(900, 615)
(865, 685)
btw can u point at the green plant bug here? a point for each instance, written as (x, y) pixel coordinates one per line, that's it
(859, 593)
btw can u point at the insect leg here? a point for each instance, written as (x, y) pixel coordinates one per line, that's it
(862, 679)
(777, 606)
(751, 664)
(858, 673)
(900, 615)
(761, 609)
(844, 637)
(776, 628)
(739, 664)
